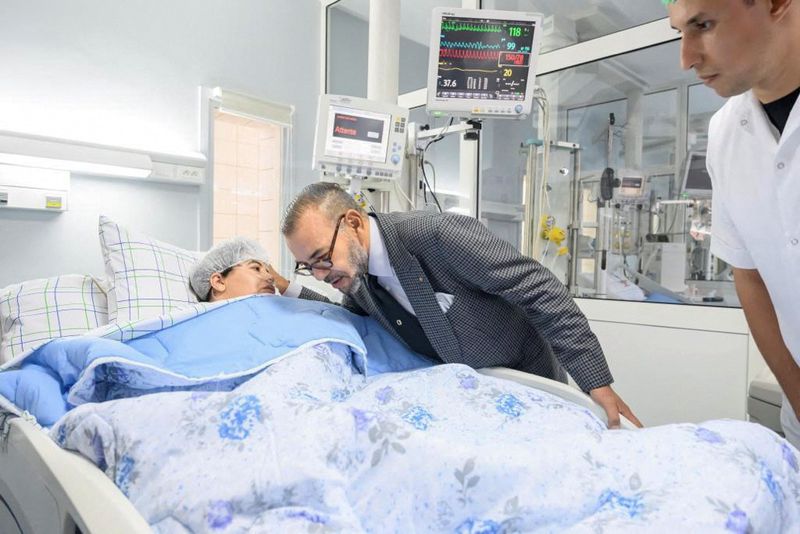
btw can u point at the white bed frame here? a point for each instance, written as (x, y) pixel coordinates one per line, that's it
(45, 489)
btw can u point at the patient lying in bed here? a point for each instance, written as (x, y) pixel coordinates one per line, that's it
(233, 268)
(296, 429)
(311, 445)
(292, 431)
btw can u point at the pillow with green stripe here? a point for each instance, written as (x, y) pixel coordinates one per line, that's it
(147, 278)
(34, 312)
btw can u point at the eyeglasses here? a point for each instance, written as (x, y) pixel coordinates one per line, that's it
(324, 263)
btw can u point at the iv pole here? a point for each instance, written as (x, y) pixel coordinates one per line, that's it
(605, 215)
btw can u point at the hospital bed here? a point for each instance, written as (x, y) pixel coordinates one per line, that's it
(46, 489)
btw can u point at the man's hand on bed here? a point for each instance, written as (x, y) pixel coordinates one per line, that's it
(614, 406)
(281, 283)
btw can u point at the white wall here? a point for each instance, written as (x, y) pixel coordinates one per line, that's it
(127, 73)
(47, 244)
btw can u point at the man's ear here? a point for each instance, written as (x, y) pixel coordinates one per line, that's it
(217, 283)
(779, 8)
(360, 223)
(354, 219)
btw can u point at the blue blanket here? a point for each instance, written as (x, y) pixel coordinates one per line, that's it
(216, 350)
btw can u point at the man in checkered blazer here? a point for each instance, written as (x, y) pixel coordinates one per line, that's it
(448, 288)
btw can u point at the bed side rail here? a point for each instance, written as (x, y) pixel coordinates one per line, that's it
(554, 387)
(50, 490)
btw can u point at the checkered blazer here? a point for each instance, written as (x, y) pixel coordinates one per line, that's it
(508, 309)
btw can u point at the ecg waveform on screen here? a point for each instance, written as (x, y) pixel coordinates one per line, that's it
(468, 27)
(463, 53)
(473, 45)
(484, 58)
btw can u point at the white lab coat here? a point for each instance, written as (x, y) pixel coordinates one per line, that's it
(755, 174)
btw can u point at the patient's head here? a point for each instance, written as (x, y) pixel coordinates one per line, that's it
(233, 268)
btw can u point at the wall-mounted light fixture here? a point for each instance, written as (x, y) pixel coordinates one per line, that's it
(78, 157)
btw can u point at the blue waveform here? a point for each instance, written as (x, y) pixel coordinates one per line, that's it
(473, 45)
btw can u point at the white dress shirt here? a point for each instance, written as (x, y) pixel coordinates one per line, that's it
(381, 268)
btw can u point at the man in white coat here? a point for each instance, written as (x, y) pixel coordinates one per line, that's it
(749, 50)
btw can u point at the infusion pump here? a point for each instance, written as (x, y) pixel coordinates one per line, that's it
(632, 187)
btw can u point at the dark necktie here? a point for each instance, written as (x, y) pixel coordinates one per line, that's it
(404, 323)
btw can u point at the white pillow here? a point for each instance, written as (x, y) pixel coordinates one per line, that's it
(147, 278)
(34, 312)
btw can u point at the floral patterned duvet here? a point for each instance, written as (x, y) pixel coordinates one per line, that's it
(311, 445)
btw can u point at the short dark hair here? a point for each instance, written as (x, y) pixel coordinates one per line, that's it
(329, 198)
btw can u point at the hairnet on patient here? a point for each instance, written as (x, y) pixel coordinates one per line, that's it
(222, 256)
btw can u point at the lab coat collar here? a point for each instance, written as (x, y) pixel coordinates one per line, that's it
(793, 124)
(753, 118)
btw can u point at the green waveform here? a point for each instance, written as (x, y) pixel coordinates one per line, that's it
(468, 27)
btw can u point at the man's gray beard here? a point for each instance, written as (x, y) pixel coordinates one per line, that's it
(359, 259)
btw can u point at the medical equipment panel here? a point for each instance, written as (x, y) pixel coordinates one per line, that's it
(632, 186)
(483, 62)
(357, 137)
(33, 189)
(696, 181)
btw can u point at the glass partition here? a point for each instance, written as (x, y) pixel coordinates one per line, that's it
(659, 129)
(568, 22)
(587, 125)
(636, 118)
(703, 103)
(504, 160)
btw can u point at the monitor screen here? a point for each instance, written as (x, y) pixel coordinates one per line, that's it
(484, 58)
(696, 180)
(357, 134)
(482, 62)
(632, 183)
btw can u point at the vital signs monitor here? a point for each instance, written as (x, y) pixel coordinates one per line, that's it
(483, 62)
(696, 181)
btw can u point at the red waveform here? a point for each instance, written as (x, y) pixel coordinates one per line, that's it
(462, 53)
